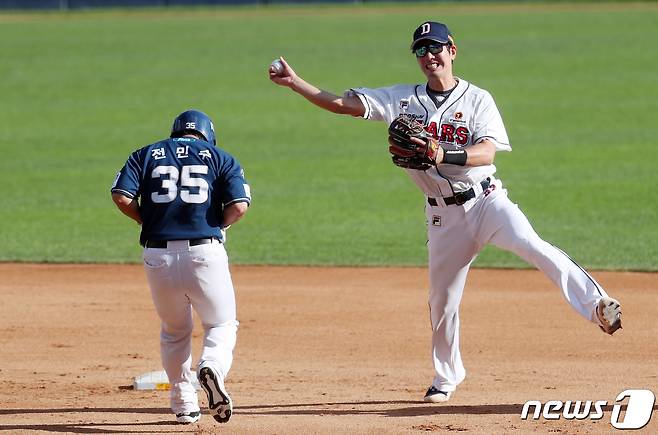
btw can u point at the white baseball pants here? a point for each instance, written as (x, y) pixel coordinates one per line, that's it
(183, 277)
(455, 236)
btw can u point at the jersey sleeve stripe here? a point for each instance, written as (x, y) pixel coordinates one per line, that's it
(124, 193)
(503, 146)
(365, 102)
(236, 200)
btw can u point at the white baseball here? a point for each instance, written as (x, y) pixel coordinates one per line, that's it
(276, 67)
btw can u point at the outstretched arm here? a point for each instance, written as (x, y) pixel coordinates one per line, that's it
(345, 105)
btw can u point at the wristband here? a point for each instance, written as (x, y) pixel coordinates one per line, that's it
(454, 157)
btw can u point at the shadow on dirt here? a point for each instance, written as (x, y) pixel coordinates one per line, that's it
(385, 408)
(91, 428)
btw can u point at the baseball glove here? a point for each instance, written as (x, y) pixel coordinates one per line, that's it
(407, 153)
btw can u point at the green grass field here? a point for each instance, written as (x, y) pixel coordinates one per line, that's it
(576, 85)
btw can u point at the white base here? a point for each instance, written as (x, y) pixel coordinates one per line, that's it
(157, 380)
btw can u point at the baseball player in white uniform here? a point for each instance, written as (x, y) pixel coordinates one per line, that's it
(466, 205)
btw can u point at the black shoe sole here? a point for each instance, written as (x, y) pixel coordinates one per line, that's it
(218, 401)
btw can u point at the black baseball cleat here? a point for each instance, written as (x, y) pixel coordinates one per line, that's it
(435, 395)
(219, 402)
(188, 417)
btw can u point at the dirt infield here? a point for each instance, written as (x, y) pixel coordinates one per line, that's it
(320, 350)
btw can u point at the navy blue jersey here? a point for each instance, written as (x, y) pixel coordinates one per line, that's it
(182, 185)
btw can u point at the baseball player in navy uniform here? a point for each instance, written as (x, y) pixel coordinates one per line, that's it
(466, 205)
(185, 192)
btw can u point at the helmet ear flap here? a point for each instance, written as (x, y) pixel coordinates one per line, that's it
(194, 121)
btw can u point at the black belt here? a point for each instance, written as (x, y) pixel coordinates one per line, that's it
(461, 197)
(163, 243)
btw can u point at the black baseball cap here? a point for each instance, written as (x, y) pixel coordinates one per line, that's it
(433, 31)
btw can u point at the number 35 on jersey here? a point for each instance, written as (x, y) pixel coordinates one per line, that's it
(192, 189)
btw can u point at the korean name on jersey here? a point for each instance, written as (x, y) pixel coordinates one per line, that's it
(183, 184)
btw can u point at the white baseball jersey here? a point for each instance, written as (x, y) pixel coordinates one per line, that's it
(468, 116)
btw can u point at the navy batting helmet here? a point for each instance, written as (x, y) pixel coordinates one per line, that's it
(194, 121)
